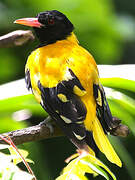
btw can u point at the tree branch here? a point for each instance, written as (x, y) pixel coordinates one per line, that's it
(16, 38)
(42, 131)
(33, 133)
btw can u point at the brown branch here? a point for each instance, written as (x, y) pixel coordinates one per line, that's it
(16, 38)
(41, 131)
(33, 133)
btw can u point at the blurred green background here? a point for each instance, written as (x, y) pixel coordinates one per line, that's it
(104, 27)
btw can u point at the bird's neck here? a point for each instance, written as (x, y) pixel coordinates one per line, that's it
(71, 38)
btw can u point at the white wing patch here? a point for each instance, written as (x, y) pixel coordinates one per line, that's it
(78, 136)
(66, 120)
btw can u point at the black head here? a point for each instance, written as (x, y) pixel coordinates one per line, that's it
(49, 26)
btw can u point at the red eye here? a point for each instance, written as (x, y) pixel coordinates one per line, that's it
(50, 21)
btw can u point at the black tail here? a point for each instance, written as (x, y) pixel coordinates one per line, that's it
(91, 143)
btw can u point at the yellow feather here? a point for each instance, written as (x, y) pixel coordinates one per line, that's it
(78, 91)
(62, 97)
(104, 144)
(50, 65)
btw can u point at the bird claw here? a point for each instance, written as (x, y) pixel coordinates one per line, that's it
(48, 123)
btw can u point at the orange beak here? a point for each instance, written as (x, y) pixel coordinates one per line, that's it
(33, 22)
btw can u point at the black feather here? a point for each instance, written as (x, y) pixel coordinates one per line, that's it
(103, 112)
(73, 109)
(27, 79)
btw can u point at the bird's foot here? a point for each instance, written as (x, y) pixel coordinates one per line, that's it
(119, 129)
(73, 156)
(48, 122)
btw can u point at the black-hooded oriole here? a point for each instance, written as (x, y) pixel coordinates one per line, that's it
(64, 78)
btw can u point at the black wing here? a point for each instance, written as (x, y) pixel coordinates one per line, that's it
(102, 108)
(66, 108)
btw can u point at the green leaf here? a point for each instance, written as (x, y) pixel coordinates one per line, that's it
(22, 175)
(119, 83)
(95, 161)
(9, 171)
(123, 100)
(85, 164)
(125, 156)
(95, 168)
(16, 158)
(21, 102)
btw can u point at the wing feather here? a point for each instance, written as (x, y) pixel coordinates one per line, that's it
(66, 108)
(102, 108)
(103, 124)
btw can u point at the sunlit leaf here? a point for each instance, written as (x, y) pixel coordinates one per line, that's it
(21, 175)
(86, 164)
(95, 168)
(4, 146)
(9, 171)
(16, 158)
(119, 83)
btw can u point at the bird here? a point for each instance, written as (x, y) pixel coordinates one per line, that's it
(64, 78)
